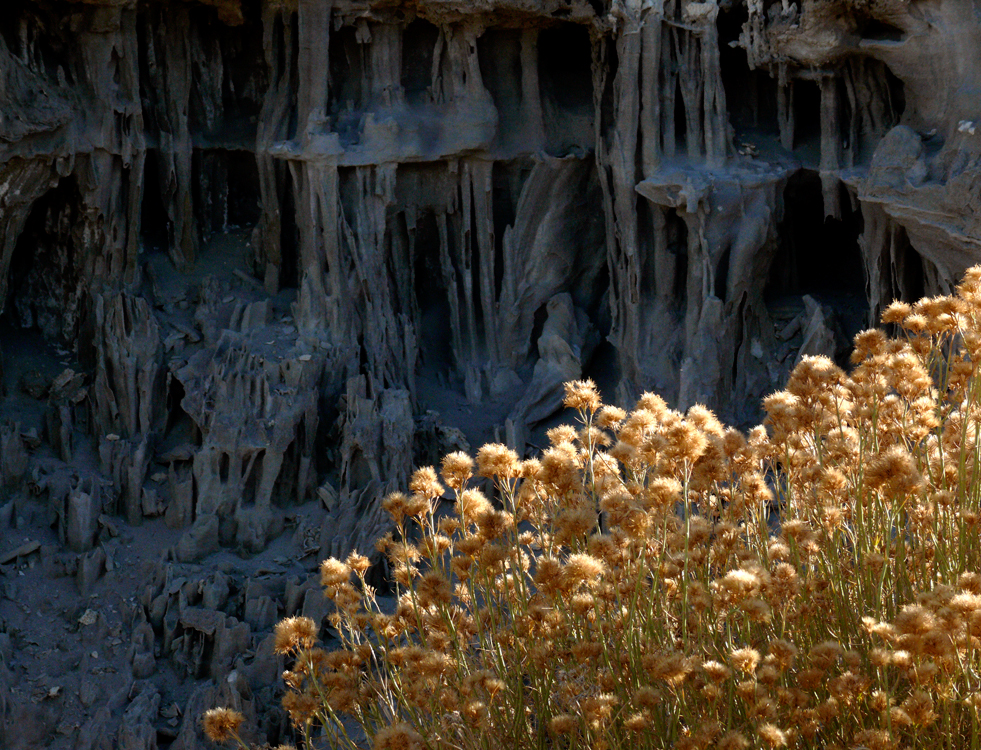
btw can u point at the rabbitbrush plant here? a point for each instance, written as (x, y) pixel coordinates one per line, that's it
(657, 580)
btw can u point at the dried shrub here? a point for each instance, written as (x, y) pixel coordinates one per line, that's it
(655, 579)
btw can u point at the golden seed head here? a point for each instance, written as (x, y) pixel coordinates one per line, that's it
(717, 671)
(919, 706)
(457, 469)
(333, 573)
(562, 435)
(745, 659)
(737, 585)
(293, 633)
(896, 312)
(637, 722)
(916, 323)
(970, 582)
(471, 505)
(221, 724)
(582, 396)
(652, 403)
(784, 652)
(497, 460)
(772, 735)
(358, 563)
(425, 482)
(583, 568)
(826, 653)
(397, 737)
(433, 588)
(705, 420)
(915, 619)
(562, 724)
(646, 697)
(610, 417)
(396, 505)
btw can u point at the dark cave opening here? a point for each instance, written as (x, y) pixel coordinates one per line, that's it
(243, 189)
(910, 284)
(246, 73)
(30, 30)
(209, 186)
(418, 51)
(538, 325)
(289, 238)
(508, 179)
(680, 118)
(41, 310)
(565, 66)
(566, 84)
(877, 30)
(904, 272)
(819, 256)
(807, 114)
(499, 55)
(435, 333)
(346, 66)
(42, 318)
(287, 490)
(722, 274)
(675, 238)
(44, 284)
(251, 478)
(603, 369)
(472, 265)
(179, 427)
(13, 10)
(751, 95)
(678, 246)
(154, 222)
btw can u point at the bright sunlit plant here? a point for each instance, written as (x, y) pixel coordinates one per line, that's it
(657, 580)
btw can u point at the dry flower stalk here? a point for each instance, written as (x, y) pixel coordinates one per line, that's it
(658, 580)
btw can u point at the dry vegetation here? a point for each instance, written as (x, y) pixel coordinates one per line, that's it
(657, 580)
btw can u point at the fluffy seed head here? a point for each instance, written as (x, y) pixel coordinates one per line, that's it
(745, 659)
(562, 724)
(221, 724)
(397, 737)
(581, 395)
(293, 633)
(583, 568)
(425, 482)
(772, 735)
(471, 505)
(334, 573)
(496, 460)
(457, 469)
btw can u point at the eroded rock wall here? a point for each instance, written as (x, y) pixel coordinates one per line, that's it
(259, 257)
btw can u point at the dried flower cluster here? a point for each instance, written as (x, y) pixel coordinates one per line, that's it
(655, 579)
